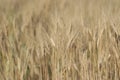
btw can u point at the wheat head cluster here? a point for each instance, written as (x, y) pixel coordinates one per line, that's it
(59, 39)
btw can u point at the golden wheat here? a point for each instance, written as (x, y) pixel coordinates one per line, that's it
(59, 40)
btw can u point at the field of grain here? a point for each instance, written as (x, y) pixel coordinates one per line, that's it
(59, 39)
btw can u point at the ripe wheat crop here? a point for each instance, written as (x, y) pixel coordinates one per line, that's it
(59, 39)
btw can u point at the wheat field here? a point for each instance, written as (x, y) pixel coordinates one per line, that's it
(59, 39)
